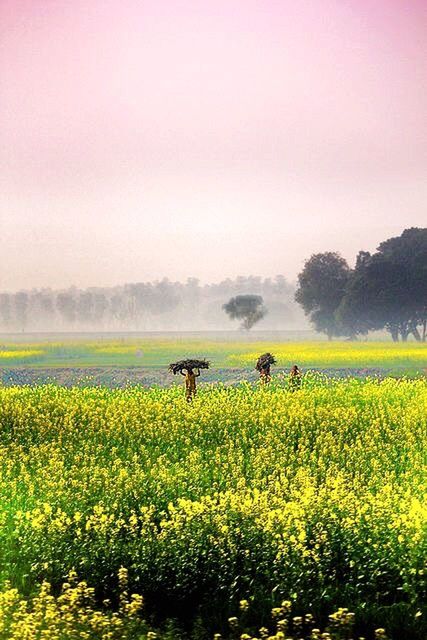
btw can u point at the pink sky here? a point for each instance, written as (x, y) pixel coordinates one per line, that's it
(133, 131)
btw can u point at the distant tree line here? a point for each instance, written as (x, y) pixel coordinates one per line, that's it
(385, 290)
(160, 305)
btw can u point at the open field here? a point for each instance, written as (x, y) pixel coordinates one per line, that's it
(247, 494)
(229, 351)
(250, 494)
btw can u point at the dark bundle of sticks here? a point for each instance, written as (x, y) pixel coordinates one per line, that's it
(265, 361)
(190, 363)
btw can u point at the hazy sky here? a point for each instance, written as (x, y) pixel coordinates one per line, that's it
(151, 138)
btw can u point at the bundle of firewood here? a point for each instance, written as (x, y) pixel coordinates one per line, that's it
(190, 363)
(265, 361)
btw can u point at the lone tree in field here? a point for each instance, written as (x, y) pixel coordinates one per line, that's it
(322, 285)
(247, 308)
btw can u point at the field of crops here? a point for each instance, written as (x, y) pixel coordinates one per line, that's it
(241, 352)
(247, 500)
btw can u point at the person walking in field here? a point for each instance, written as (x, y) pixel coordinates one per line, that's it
(263, 366)
(265, 374)
(190, 383)
(295, 378)
(190, 369)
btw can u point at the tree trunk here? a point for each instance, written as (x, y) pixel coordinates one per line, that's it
(394, 332)
(416, 334)
(424, 325)
(404, 331)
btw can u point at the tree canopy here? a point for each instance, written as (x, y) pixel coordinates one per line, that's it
(385, 290)
(322, 284)
(388, 289)
(248, 308)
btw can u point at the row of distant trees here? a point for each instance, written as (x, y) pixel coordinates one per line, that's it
(163, 304)
(385, 290)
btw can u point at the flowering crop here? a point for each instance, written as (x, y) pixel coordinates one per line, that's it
(19, 355)
(248, 494)
(339, 354)
(159, 352)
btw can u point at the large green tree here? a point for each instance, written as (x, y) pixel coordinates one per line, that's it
(388, 289)
(322, 285)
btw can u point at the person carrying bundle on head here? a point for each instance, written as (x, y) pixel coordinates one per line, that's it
(263, 366)
(265, 374)
(190, 369)
(190, 383)
(295, 378)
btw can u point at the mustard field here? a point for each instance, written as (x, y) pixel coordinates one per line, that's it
(252, 512)
(158, 352)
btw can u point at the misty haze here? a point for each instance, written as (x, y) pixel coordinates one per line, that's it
(213, 319)
(158, 306)
(146, 140)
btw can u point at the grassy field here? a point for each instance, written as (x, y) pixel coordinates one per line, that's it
(158, 352)
(297, 502)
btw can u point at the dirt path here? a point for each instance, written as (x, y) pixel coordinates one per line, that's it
(117, 377)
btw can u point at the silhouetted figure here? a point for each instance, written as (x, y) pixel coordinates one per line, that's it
(295, 377)
(190, 383)
(263, 366)
(187, 368)
(265, 374)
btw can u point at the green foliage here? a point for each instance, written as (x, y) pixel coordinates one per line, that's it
(389, 288)
(248, 308)
(316, 496)
(322, 284)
